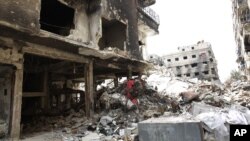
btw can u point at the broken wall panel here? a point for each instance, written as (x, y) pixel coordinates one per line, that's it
(113, 9)
(113, 34)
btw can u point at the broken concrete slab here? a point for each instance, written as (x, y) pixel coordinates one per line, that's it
(170, 129)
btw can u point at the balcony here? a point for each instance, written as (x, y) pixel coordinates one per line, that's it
(146, 3)
(242, 3)
(148, 19)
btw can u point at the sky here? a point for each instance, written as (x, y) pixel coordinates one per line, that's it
(185, 22)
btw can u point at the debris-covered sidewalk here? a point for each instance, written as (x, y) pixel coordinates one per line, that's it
(213, 104)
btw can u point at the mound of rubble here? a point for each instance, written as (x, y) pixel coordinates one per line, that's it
(215, 105)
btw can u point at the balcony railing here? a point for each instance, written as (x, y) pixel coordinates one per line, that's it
(151, 13)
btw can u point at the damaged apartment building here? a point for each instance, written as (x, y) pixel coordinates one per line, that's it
(48, 48)
(194, 61)
(241, 25)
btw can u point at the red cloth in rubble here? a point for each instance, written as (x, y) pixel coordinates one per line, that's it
(130, 85)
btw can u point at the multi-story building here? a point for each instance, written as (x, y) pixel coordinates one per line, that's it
(194, 61)
(43, 42)
(241, 25)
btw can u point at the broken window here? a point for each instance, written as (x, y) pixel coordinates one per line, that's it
(186, 66)
(188, 74)
(205, 63)
(56, 17)
(194, 65)
(179, 75)
(176, 59)
(205, 72)
(196, 73)
(113, 34)
(193, 56)
(178, 67)
(5, 92)
(209, 52)
(212, 70)
(211, 59)
(185, 57)
(169, 60)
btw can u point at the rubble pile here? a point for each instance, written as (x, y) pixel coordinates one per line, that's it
(214, 104)
(163, 95)
(116, 118)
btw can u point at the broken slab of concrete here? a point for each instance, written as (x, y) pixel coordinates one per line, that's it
(170, 129)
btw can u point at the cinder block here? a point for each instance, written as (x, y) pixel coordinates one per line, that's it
(170, 129)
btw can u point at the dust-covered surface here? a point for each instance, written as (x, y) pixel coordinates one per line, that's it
(163, 97)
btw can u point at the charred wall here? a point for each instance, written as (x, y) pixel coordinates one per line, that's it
(125, 11)
(5, 95)
(20, 14)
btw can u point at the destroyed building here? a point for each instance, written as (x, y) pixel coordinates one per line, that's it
(241, 20)
(49, 46)
(194, 61)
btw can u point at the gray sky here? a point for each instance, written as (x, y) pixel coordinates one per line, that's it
(184, 22)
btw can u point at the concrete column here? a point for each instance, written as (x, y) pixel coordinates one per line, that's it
(45, 103)
(16, 105)
(89, 89)
(116, 81)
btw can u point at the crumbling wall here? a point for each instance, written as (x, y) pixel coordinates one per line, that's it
(80, 32)
(114, 35)
(126, 12)
(5, 97)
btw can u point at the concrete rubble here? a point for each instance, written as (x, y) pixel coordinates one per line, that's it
(212, 104)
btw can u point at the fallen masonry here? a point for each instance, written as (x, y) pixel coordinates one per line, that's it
(168, 107)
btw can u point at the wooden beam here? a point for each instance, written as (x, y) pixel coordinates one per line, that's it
(53, 53)
(16, 105)
(11, 56)
(45, 99)
(89, 89)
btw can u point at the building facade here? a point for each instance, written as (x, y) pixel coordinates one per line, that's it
(241, 20)
(43, 42)
(195, 61)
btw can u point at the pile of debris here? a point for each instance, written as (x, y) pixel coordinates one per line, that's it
(116, 118)
(214, 104)
(163, 95)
